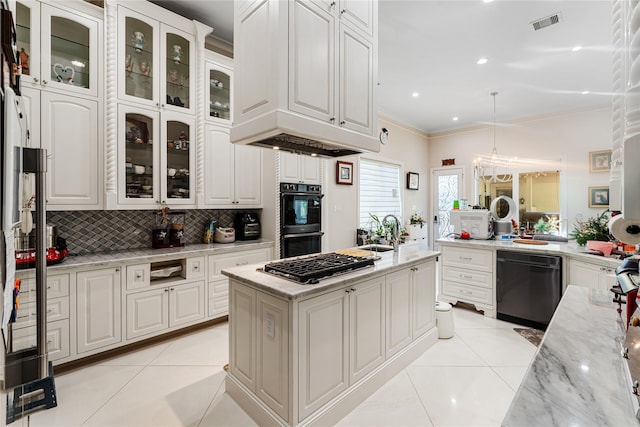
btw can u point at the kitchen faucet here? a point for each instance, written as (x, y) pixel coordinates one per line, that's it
(396, 231)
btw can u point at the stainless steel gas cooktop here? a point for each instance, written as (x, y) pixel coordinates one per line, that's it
(309, 270)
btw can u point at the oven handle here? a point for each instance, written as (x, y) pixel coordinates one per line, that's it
(283, 195)
(314, 234)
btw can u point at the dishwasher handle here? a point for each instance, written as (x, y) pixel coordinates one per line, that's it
(553, 266)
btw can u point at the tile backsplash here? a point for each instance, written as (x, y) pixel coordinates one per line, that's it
(107, 231)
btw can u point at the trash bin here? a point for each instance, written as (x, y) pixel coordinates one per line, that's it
(444, 320)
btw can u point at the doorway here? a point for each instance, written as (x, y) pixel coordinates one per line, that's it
(447, 186)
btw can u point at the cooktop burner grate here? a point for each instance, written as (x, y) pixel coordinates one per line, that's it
(309, 270)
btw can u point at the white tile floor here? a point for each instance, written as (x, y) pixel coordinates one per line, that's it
(468, 380)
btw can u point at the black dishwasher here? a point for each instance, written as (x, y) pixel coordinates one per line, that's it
(528, 287)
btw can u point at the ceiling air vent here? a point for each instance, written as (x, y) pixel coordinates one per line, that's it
(545, 22)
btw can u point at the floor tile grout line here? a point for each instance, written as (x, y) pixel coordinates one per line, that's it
(142, 368)
(206, 411)
(419, 398)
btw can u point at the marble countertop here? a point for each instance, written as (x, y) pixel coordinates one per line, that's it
(578, 376)
(252, 275)
(107, 259)
(570, 249)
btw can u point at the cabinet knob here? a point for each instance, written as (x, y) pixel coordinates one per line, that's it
(166, 289)
(332, 119)
(625, 352)
(332, 5)
(173, 289)
(44, 82)
(635, 387)
(117, 270)
(342, 122)
(35, 80)
(343, 11)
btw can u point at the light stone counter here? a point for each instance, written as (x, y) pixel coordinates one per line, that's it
(138, 256)
(571, 249)
(390, 261)
(577, 377)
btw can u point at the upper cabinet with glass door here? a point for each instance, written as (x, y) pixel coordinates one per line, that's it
(219, 77)
(155, 63)
(58, 48)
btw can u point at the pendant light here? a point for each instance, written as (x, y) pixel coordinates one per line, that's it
(493, 168)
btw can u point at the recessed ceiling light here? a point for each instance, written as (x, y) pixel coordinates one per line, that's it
(482, 61)
(584, 92)
(275, 147)
(314, 154)
(455, 119)
(576, 48)
(415, 94)
(487, 1)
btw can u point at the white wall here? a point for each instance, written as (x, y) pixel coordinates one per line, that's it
(407, 147)
(569, 136)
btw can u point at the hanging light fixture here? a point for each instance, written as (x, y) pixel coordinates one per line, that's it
(493, 168)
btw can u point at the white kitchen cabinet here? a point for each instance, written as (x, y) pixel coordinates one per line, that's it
(301, 169)
(61, 93)
(156, 59)
(468, 275)
(60, 46)
(366, 327)
(305, 68)
(58, 314)
(233, 173)
(423, 296)
(591, 275)
(359, 14)
(398, 312)
(219, 91)
(156, 158)
(98, 310)
(218, 284)
(323, 352)
(173, 306)
(242, 335)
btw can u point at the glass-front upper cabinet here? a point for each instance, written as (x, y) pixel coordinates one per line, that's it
(179, 155)
(219, 95)
(155, 63)
(156, 158)
(139, 166)
(58, 48)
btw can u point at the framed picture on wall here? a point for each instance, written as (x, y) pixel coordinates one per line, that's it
(412, 180)
(598, 197)
(600, 161)
(344, 173)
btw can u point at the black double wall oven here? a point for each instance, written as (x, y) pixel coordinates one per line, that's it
(300, 219)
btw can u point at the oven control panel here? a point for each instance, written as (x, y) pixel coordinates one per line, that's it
(300, 188)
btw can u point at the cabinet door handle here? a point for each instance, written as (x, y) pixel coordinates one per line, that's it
(342, 122)
(35, 80)
(463, 276)
(465, 258)
(333, 5)
(196, 268)
(117, 270)
(343, 11)
(173, 289)
(332, 119)
(138, 276)
(44, 82)
(166, 289)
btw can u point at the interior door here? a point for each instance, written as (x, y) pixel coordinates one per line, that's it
(447, 187)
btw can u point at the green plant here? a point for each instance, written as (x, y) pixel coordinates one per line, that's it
(595, 228)
(384, 230)
(542, 226)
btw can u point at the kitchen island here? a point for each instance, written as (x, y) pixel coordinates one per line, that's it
(578, 375)
(308, 354)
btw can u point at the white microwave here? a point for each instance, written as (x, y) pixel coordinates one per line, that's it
(478, 222)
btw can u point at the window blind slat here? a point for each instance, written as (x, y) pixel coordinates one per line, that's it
(379, 190)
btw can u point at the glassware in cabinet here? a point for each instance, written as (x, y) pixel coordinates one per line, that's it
(177, 59)
(219, 94)
(138, 58)
(139, 156)
(178, 154)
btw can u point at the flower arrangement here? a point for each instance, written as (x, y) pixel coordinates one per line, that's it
(595, 228)
(416, 219)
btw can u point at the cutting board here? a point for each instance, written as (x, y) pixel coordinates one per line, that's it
(530, 242)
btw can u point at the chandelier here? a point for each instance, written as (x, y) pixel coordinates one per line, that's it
(493, 167)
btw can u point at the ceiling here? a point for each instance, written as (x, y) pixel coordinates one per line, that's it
(431, 47)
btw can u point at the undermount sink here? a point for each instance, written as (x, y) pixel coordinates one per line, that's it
(376, 248)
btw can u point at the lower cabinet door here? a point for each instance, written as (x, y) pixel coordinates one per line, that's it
(186, 304)
(398, 303)
(99, 317)
(367, 327)
(423, 282)
(147, 312)
(323, 340)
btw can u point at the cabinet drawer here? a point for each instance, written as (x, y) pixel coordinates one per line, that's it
(138, 276)
(57, 286)
(217, 263)
(57, 339)
(195, 268)
(467, 293)
(218, 287)
(57, 309)
(218, 306)
(478, 259)
(468, 276)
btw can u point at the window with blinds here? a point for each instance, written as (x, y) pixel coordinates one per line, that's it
(379, 191)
